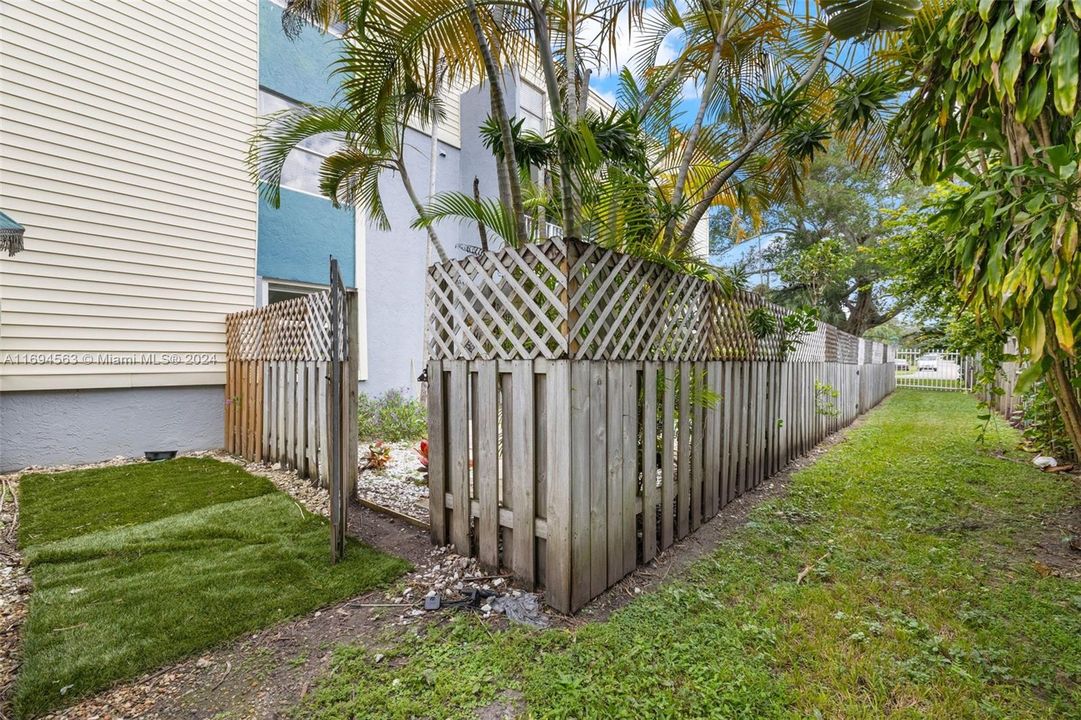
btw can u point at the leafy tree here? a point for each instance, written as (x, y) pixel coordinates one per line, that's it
(833, 247)
(766, 105)
(993, 103)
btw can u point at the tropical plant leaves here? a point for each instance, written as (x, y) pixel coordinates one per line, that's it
(848, 19)
(1064, 66)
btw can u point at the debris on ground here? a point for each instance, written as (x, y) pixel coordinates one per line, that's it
(518, 606)
(14, 587)
(522, 607)
(1044, 461)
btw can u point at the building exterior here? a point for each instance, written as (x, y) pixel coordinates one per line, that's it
(124, 136)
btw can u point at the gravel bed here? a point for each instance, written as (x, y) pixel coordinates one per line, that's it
(401, 486)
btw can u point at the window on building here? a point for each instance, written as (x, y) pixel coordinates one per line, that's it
(531, 99)
(301, 170)
(278, 291)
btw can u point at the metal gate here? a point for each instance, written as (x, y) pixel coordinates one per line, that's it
(935, 370)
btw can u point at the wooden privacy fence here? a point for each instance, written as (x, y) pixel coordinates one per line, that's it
(587, 408)
(1007, 402)
(277, 387)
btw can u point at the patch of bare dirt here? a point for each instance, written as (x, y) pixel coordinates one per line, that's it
(1058, 547)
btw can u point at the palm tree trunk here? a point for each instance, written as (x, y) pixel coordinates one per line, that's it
(568, 194)
(433, 156)
(662, 86)
(694, 132)
(759, 134)
(508, 175)
(433, 238)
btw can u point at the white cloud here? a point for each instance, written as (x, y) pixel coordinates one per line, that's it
(630, 41)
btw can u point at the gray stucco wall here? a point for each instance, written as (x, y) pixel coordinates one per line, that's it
(395, 270)
(80, 426)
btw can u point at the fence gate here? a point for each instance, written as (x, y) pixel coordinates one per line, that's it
(290, 389)
(935, 370)
(338, 405)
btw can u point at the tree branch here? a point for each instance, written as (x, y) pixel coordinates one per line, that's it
(756, 139)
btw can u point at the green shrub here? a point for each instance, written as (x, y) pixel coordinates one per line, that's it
(392, 417)
(1042, 423)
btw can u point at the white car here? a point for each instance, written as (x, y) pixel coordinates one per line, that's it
(928, 362)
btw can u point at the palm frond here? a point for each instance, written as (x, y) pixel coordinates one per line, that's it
(463, 208)
(280, 133)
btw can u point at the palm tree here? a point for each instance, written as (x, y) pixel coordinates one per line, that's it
(369, 147)
(766, 104)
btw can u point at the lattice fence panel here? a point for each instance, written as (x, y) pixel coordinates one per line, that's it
(500, 304)
(297, 329)
(569, 299)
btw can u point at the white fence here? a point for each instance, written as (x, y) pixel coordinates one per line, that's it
(935, 370)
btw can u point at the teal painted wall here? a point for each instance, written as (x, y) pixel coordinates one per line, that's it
(298, 69)
(296, 239)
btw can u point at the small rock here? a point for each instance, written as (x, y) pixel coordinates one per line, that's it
(203, 662)
(379, 657)
(486, 608)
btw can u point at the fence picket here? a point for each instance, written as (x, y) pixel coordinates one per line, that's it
(649, 461)
(486, 463)
(524, 472)
(598, 477)
(668, 491)
(580, 492)
(630, 457)
(683, 453)
(615, 472)
(557, 582)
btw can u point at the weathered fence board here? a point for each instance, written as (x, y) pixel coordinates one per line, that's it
(570, 436)
(276, 385)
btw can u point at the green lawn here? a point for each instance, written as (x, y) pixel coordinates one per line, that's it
(139, 565)
(925, 600)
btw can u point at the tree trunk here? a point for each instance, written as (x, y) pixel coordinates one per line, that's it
(480, 226)
(693, 133)
(508, 175)
(433, 238)
(551, 83)
(1068, 405)
(861, 317)
(756, 139)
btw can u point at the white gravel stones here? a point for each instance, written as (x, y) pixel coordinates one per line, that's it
(402, 486)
